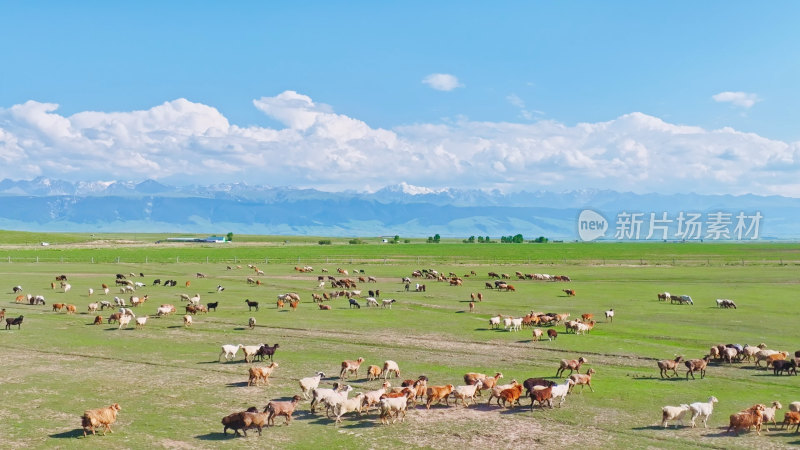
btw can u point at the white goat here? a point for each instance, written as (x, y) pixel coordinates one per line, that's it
(308, 384)
(328, 396)
(702, 410)
(467, 392)
(560, 391)
(348, 405)
(229, 351)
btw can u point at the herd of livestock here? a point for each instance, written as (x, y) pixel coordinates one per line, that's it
(393, 402)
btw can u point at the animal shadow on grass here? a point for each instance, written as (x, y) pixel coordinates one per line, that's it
(219, 436)
(176, 326)
(76, 433)
(671, 379)
(518, 409)
(358, 422)
(241, 328)
(237, 384)
(654, 427)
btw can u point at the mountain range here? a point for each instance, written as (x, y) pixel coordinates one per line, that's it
(45, 204)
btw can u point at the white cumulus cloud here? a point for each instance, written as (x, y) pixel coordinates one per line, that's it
(442, 81)
(743, 99)
(184, 142)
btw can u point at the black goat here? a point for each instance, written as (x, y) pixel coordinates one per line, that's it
(212, 305)
(789, 366)
(266, 350)
(251, 305)
(15, 321)
(353, 302)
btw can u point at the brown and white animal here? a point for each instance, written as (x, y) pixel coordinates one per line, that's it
(350, 366)
(258, 374)
(372, 398)
(390, 367)
(392, 407)
(673, 413)
(770, 413)
(510, 395)
(572, 364)
(94, 418)
(373, 372)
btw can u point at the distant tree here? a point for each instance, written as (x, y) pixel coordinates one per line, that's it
(541, 240)
(480, 239)
(486, 239)
(355, 241)
(324, 242)
(436, 238)
(229, 236)
(396, 238)
(430, 239)
(471, 239)
(518, 239)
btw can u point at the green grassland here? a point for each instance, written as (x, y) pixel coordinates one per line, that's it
(174, 392)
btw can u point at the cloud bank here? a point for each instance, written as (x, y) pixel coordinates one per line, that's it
(183, 142)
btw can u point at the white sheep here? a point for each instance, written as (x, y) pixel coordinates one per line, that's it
(516, 324)
(610, 315)
(94, 306)
(390, 366)
(371, 301)
(187, 320)
(467, 392)
(673, 413)
(494, 322)
(229, 351)
(702, 410)
(374, 397)
(91, 291)
(348, 405)
(119, 301)
(328, 396)
(794, 406)
(560, 391)
(393, 405)
(141, 321)
(124, 321)
(769, 413)
(308, 384)
(507, 323)
(67, 287)
(250, 351)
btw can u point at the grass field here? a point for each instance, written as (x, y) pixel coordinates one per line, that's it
(174, 392)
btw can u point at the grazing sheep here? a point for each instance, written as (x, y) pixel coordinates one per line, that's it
(387, 303)
(552, 334)
(750, 417)
(666, 365)
(251, 322)
(494, 322)
(573, 365)
(93, 307)
(308, 384)
(98, 320)
(673, 413)
(389, 367)
(281, 409)
(702, 410)
(124, 321)
(251, 305)
(105, 417)
(610, 315)
(261, 373)
(373, 372)
(187, 320)
(349, 366)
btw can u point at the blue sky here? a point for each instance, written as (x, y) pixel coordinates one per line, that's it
(517, 85)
